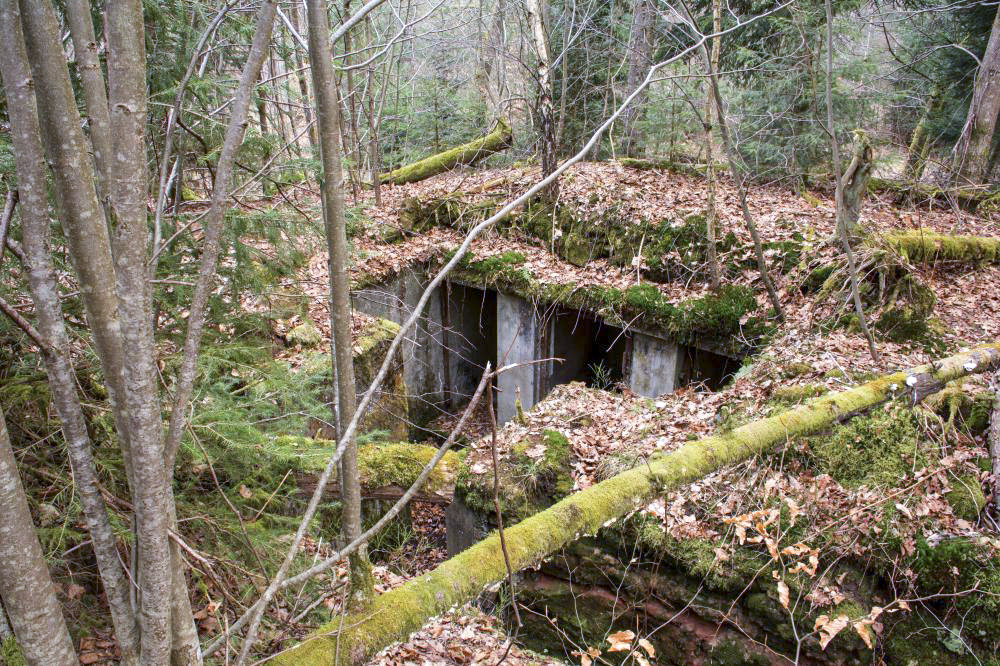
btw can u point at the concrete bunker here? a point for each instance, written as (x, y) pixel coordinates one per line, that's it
(464, 326)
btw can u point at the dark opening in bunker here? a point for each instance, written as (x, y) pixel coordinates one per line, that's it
(704, 367)
(591, 351)
(470, 340)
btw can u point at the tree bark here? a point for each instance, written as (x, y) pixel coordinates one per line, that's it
(151, 492)
(25, 585)
(537, 18)
(398, 613)
(856, 177)
(327, 112)
(81, 215)
(30, 165)
(971, 154)
(711, 212)
(640, 44)
(95, 93)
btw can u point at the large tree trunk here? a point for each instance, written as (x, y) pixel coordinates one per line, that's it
(25, 586)
(398, 613)
(30, 165)
(971, 154)
(327, 111)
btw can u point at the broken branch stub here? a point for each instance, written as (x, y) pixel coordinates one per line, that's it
(398, 613)
(467, 154)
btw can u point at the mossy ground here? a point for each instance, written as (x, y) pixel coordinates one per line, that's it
(529, 482)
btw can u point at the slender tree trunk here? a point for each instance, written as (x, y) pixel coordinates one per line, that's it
(640, 44)
(374, 165)
(186, 649)
(151, 492)
(213, 224)
(82, 216)
(25, 586)
(971, 154)
(546, 127)
(916, 156)
(843, 224)
(738, 176)
(711, 213)
(30, 164)
(356, 151)
(94, 91)
(307, 112)
(327, 111)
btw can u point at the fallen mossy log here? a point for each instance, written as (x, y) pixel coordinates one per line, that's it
(903, 192)
(925, 245)
(466, 154)
(398, 613)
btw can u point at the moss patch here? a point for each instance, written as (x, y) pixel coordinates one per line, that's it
(534, 475)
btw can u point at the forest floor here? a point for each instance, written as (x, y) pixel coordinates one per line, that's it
(800, 359)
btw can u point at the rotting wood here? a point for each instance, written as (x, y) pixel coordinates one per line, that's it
(467, 154)
(398, 613)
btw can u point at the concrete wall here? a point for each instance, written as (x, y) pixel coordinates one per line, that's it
(656, 365)
(423, 364)
(442, 367)
(519, 339)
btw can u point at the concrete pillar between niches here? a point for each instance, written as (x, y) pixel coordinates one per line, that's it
(421, 351)
(656, 366)
(517, 342)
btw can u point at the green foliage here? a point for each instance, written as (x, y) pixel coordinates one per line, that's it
(246, 270)
(10, 653)
(961, 564)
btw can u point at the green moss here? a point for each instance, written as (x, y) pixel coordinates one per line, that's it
(966, 497)
(468, 153)
(956, 565)
(925, 245)
(530, 480)
(874, 449)
(10, 653)
(907, 318)
(697, 558)
(793, 395)
(400, 463)
(305, 334)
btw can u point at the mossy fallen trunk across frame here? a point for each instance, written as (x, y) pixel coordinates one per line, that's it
(466, 154)
(925, 245)
(969, 197)
(398, 613)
